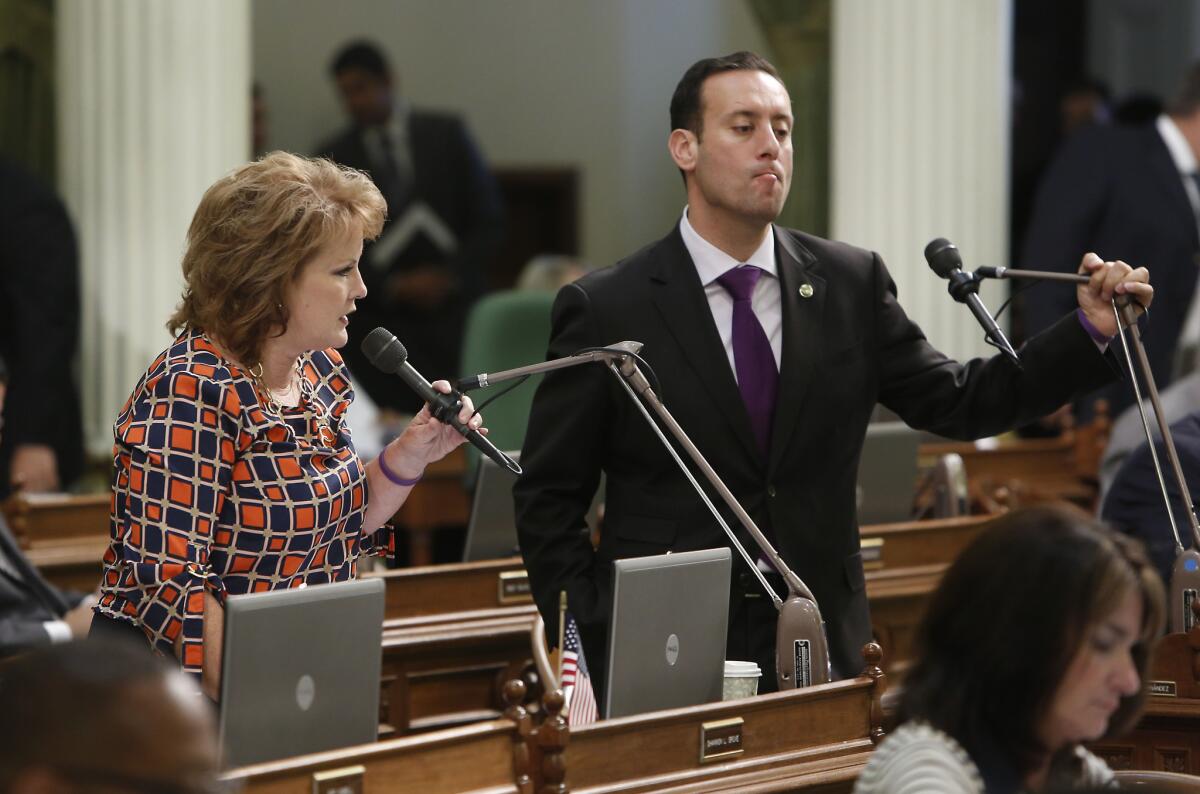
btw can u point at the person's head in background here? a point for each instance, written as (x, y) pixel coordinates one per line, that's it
(364, 82)
(1037, 639)
(548, 272)
(96, 717)
(1087, 101)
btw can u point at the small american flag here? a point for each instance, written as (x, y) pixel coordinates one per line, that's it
(576, 683)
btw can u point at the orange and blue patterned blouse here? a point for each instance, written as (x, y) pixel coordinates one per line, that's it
(215, 490)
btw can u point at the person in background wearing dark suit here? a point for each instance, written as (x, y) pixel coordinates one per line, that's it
(1134, 502)
(772, 348)
(1130, 193)
(100, 717)
(39, 331)
(33, 612)
(444, 225)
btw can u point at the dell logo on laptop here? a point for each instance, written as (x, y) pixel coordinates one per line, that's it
(306, 692)
(672, 650)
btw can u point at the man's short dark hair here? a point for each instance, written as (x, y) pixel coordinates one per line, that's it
(687, 111)
(362, 55)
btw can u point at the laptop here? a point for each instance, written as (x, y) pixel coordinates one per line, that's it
(492, 525)
(887, 473)
(670, 617)
(300, 671)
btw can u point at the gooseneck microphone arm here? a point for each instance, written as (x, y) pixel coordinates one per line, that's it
(802, 649)
(485, 379)
(1184, 586)
(801, 646)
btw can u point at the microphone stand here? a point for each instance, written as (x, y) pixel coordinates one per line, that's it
(801, 646)
(1185, 574)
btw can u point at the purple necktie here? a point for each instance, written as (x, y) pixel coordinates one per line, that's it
(757, 374)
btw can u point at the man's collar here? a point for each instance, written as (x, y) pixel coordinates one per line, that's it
(1177, 144)
(711, 261)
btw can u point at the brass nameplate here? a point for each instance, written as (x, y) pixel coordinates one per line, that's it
(514, 588)
(720, 739)
(1162, 689)
(347, 780)
(872, 553)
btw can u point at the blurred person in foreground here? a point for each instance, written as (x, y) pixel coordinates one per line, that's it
(234, 470)
(33, 612)
(102, 717)
(1037, 640)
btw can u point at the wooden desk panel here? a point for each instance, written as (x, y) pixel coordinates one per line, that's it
(815, 739)
(434, 590)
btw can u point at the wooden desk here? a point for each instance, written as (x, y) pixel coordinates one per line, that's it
(486, 758)
(440, 499)
(63, 535)
(1027, 471)
(814, 739)
(415, 596)
(452, 673)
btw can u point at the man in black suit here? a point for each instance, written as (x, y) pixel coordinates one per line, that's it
(444, 223)
(32, 611)
(841, 343)
(39, 330)
(1126, 193)
(1134, 502)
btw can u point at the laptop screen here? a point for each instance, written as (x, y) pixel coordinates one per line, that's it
(667, 634)
(887, 473)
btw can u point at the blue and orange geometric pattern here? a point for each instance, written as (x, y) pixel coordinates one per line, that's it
(214, 491)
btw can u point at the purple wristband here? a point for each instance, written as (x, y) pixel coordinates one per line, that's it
(1094, 332)
(392, 476)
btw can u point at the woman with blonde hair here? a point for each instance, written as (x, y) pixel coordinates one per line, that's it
(234, 470)
(1036, 640)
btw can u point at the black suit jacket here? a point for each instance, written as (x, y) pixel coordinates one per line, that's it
(845, 348)
(39, 323)
(1116, 191)
(28, 602)
(451, 177)
(1134, 503)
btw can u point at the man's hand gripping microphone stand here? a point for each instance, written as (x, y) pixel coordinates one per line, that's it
(1185, 574)
(801, 647)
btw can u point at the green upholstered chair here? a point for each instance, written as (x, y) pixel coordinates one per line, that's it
(505, 330)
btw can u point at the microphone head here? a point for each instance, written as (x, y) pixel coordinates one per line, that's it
(384, 350)
(943, 257)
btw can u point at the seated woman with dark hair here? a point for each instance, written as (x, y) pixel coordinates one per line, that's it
(234, 470)
(1036, 640)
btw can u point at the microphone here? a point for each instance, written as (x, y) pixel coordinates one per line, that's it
(387, 353)
(944, 259)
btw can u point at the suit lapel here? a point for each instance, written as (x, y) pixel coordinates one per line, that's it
(680, 299)
(802, 337)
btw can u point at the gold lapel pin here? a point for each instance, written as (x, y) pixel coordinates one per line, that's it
(806, 291)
